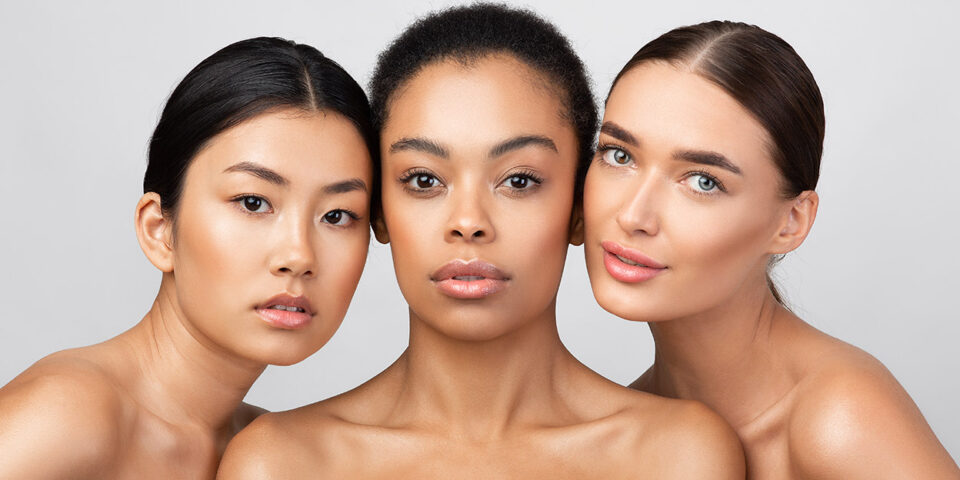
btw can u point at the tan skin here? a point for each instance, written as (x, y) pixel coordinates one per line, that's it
(805, 405)
(485, 388)
(162, 399)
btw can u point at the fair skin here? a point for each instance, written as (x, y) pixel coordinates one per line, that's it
(258, 218)
(479, 165)
(805, 405)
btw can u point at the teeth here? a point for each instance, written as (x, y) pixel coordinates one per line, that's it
(288, 308)
(630, 262)
(468, 278)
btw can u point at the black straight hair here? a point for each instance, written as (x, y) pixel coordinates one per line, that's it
(467, 33)
(766, 76)
(237, 83)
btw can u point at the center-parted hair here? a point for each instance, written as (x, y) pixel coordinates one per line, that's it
(237, 83)
(468, 33)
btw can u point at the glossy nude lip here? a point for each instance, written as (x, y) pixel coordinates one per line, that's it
(285, 318)
(469, 280)
(613, 259)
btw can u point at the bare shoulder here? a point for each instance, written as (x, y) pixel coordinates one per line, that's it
(688, 440)
(852, 419)
(290, 444)
(60, 416)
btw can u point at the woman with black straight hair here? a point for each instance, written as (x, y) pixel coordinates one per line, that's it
(256, 210)
(486, 123)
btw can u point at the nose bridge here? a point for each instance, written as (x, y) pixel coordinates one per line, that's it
(294, 254)
(469, 216)
(640, 211)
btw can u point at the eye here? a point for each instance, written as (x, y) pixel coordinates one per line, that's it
(420, 181)
(339, 217)
(615, 156)
(254, 204)
(522, 181)
(703, 183)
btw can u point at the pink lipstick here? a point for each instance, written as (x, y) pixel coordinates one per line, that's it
(469, 280)
(286, 312)
(629, 265)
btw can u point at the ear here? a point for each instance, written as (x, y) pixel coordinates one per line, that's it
(154, 232)
(796, 223)
(380, 227)
(576, 225)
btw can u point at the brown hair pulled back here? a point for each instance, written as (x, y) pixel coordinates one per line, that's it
(767, 77)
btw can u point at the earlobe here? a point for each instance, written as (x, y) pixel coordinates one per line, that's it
(154, 232)
(380, 229)
(576, 226)
(797, 223)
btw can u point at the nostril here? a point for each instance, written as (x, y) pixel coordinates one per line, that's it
(478, 234)
(284, 269)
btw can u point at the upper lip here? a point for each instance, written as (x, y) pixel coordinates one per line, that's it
(290, 301)
(472, 268)
(630, 254)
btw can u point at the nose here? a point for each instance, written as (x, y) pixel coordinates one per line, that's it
(294, 253)
(469, 219)
(639, 211)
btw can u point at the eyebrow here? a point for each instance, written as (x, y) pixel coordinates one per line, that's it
(420, 144)
(522, 141)
(258, 171)
(620, 133)
(707, 158)
(352, 185)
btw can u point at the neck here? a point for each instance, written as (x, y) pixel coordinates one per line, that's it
(185, 378)
(726, 357)
(480, 389)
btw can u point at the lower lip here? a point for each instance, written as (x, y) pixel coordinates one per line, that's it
(470, 288)
(625, 272)
(284, 319)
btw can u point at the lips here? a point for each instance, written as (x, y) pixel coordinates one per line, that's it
(286, 312)
(629, 265)
(469, 280)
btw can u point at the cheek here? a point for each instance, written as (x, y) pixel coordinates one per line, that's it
(341, 261)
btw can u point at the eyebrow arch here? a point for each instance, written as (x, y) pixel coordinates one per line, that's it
(420, 144)
(522, 141)
(620, 133)
(258, 171)
(707, 158)
(354, 184)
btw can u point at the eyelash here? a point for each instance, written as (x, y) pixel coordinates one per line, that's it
(530, 175)
(706, 175)
(239, 199)
(416, 172)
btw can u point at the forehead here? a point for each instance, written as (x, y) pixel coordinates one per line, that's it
(667, 105)
(490, 97)
(291, 140)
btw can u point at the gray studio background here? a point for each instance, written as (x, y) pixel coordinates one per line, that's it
(83, 83)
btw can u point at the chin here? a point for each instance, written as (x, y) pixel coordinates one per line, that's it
(473, 326)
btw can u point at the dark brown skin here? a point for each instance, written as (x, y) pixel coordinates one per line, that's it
(804, 405)
(162, 399)
(485, 389)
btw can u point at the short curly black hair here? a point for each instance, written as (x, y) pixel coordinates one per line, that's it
(470, 32)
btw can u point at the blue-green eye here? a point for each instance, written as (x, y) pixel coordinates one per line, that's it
(255, 204)
(703, 183)
(616, 157)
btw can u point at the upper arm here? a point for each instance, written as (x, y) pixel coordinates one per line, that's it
(57, 426)
(695, 442)
(262, 450)
(862, 424)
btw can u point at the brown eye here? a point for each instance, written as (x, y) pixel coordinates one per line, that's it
(616, 157)
(254, 204)
(518, 182)
(337, 217)
(425, 181)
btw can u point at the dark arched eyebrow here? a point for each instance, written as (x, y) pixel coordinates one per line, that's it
(420, 144)
(620, 133)
(258, 171)
(522, 141)
(352, 185)
(707, 158)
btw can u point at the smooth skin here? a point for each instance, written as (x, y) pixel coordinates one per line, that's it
(479, 163)
(804, 404)
(162, 399)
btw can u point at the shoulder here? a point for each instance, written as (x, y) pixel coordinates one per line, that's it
(690, 441)
(60, 415)
(852, 419)
(285, 445)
